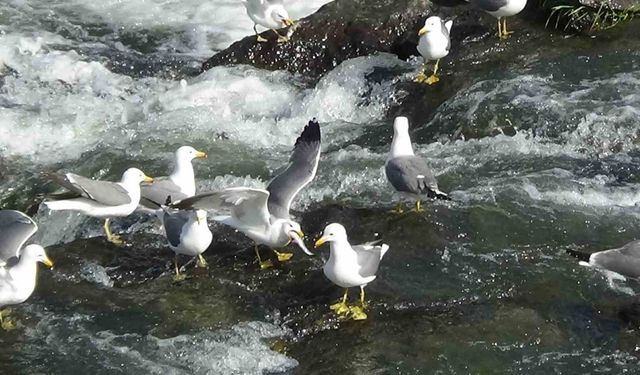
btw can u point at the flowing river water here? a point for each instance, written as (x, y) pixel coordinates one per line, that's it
(481, 284)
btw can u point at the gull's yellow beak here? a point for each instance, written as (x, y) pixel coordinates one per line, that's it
(201, 155)
(423, 31)
(288, 22)
(300, 233)
(320, 242)
(147, 179)
(47, 262)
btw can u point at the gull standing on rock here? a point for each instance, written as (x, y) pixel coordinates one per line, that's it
(263, 214)
(350, 266)
(270, 14)
(434, 44)
(101, 199)
(409, 174)
(501, 9)
(18, 266)
(188, 234)
(178, 185)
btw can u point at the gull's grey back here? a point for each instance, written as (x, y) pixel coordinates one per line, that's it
(15, 229)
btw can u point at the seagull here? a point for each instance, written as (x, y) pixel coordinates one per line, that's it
(624, 260)
(350, 266)
(501, 9)
(409, 174)
(188, 234)
(434, 44)
(263, 214)
(101, 199)
(270, 14)
(178, 185)
(18, 266)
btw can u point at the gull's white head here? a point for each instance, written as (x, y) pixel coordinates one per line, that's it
(135, 176)
(280, 15)
(401, 144)
(400, 126)
(433, 23)
(332, 233)
(36, 253)
(188, 153)
(201, 216)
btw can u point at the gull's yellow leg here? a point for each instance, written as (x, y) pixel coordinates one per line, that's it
(263, 264)
(418, 207)
(341, 307)
(281, 38)
(5, 322)
(398, 209)
(421, 77)
(113, 238)
(505, 33)
(178, 276)
(259, 39)
(202, 263)
(283, 257)
(357, 312)
(499, 28)
(433, 78)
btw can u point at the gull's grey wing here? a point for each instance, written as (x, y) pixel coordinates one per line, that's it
(411, 174)
(369, 257)
(300, 172)
(104, 192)
(445, 32)
(247, 206)
(15, 229)
(173, 222)
(625, 260)
(162, 191)
(489, 5)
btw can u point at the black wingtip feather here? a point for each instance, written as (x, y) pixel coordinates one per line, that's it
(311, 133)
(579, 254)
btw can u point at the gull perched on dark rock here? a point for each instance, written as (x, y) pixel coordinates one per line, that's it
(350, 266)
(270, 14)
(501, 9)
(263, 214)
(188, 234)
(434, 44)
(178, 185)
(18, 265)
(409, 174)
(101, 199)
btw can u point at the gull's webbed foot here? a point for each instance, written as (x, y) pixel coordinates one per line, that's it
(179, 277)
(432, 79)
(340, 308)
(283, 257)
(283, 39)
(357, 313)
(265, 264)
(201, 262)
(6, 323)
(397, 210)
(418, 208)
(260, 39)
(420, 78)
(115, 239)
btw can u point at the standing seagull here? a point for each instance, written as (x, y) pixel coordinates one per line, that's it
(102, 199)
(18, 266)
(188, 233)
(624, 260)
(263, 215)
(178, 185)
(350, 266)
(409, 174)
(501, 9)
(270, 14)
(434, 44)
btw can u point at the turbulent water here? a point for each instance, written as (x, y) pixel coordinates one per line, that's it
(477, 285)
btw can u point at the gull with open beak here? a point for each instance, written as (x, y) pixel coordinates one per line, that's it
(18, 265)
(270, 14)
(350, 266)
(434, 44)
(101, 199)
(263, 214)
